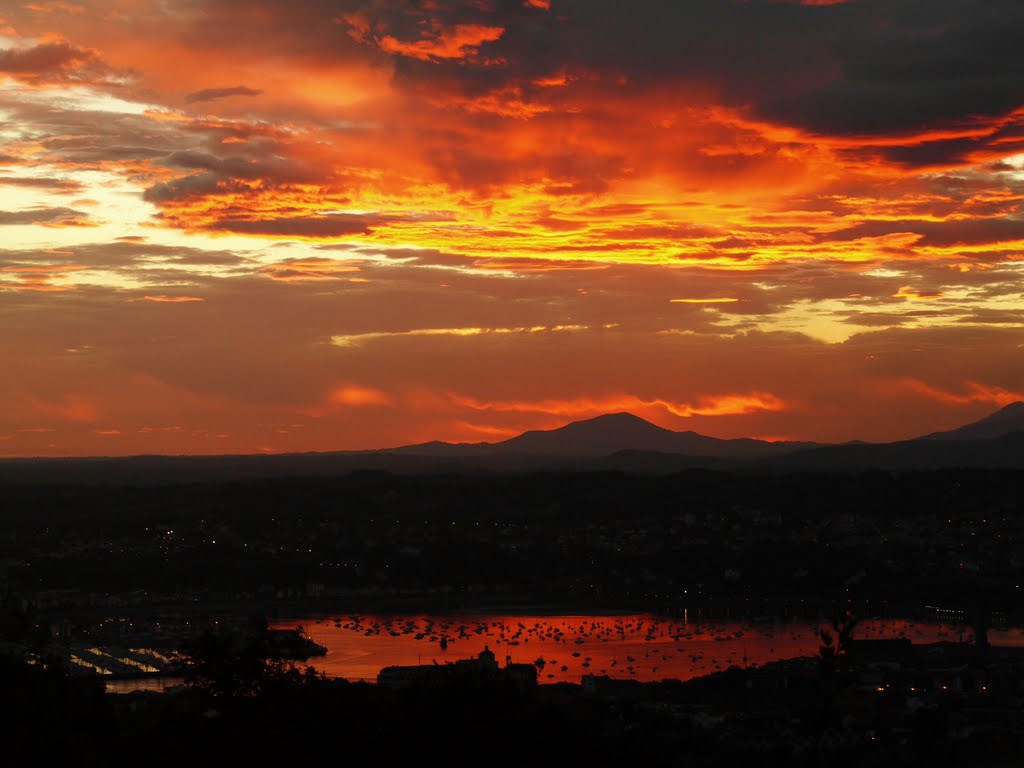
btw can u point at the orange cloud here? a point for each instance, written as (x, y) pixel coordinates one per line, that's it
(356, 396)
(355, 339)
(715, 405)
(976, 393)
(37, 278)
(703, 301)
(459, 42)
(73, 408)
(585, 173)
(488, 430)
(56, 7)
(164, 299)
(911, 294)
(978, 129)
(557, 171)
(733, 404)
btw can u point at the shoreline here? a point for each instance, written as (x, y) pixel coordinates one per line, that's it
(199, 610)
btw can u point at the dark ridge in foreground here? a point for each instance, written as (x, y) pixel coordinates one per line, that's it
(1003, 452)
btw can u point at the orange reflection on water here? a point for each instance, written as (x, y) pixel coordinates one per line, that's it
(564, 648)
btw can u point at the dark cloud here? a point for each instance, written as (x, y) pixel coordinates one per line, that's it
(211, 94)
(196, 185)
(44, 58)
(92, 139)
(871, 67)
(89, 139)
(994, 317)
(941, 234)
(231, 173)
(64, 217)
(35, 182)
(867, 67)
(876, 319)
(126, 255)
(59, 62)
(933, 153)
(296, 27)
(918, 63)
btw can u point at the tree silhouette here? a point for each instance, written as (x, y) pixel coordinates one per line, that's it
(834, 662)
(835, 642)
(227, 666)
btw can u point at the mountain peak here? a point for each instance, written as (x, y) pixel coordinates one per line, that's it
(612, 433)
(598, 436)
(605, 435)
(619, 419)
(1011, 411)
(1009, 418)
(606, 422)
(615, 415)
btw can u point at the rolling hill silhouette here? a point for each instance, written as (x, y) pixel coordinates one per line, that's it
(605, 435)
(615, 441)
(994, 442)
(627, 442)
(1008, 419)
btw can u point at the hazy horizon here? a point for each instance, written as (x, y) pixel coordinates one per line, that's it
(557, 428)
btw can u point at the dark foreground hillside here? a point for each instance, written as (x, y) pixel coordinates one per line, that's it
(611, 539)
(81, 560)
(808, 712)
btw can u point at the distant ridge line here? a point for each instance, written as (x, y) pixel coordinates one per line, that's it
(611, 442)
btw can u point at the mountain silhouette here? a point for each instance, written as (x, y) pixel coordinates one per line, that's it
(615, 441)
(1005, 421)
(599, 436)
(605, 435)
(996, 441)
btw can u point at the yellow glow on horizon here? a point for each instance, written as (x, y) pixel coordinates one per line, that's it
(722, 300)
(355, 339)
(164, 299)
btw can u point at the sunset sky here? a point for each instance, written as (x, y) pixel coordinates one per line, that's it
(234, 226)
